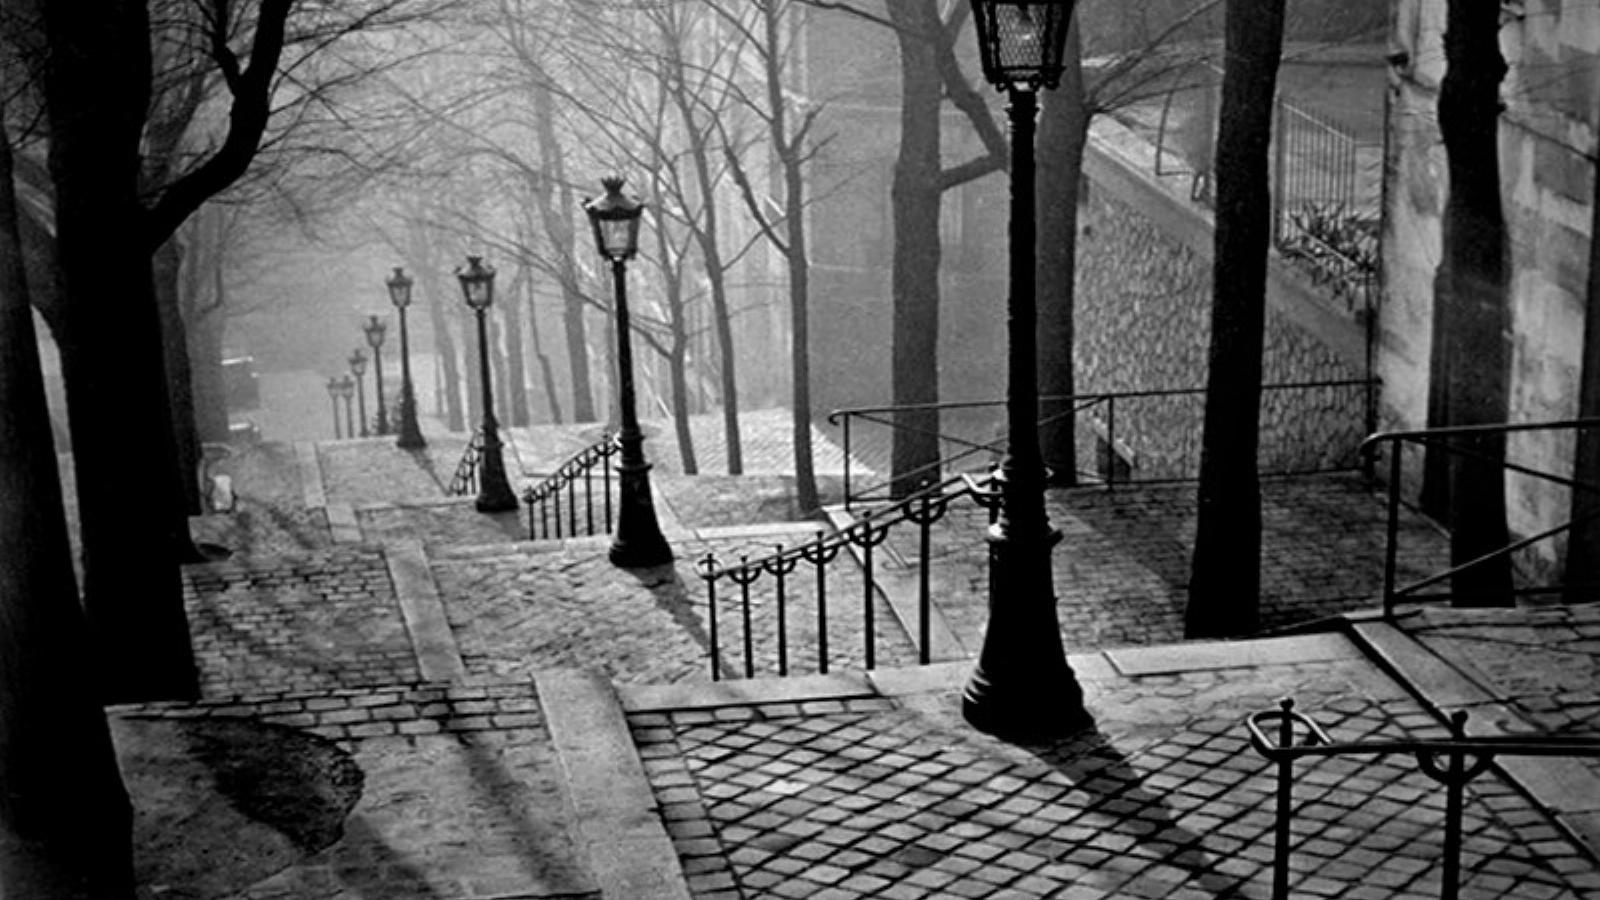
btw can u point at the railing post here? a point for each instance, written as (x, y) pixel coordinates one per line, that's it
(743, 575)
(780, 567)
(820, 554)
(556, 493)
(527, 497)
(588, 494)
(606, 477)
(708, 571)
(847, 418)
(1111, 441)
(1282, 831)
(572, 505)
(1391, 530)
(865, 535)
(1454, 786)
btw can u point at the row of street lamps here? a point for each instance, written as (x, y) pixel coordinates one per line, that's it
(375, 329)
(615, 217)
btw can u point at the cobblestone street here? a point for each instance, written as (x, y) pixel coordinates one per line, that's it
(896, 797)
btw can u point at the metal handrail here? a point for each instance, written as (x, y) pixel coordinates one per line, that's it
(1440, 438)
(465, 480)
(1455, 772)
(579, 467)
(922, 509)
(843, 418)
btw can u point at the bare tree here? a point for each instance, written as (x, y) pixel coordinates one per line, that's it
(1225, 580)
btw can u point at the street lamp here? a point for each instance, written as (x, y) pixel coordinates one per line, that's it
(494, 493)
(333, 398)
(638, 540)
(346, 388)
(375, 328)
(1022, 686)
(358, 367)
(400, 295)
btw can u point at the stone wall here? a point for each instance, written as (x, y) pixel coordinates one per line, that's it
(1143, 320)
(1552, 93)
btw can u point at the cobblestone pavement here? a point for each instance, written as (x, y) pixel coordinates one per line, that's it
(517, 609)
(1122, 567)
(725, 501)
(318, 620)
(897, 798)
(441, 523)
(462, 796)
(1497, 648)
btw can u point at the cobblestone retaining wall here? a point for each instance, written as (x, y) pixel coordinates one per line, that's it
(1143, 323)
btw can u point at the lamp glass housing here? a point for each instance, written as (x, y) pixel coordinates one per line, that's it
(477, 283)
(615, 217)
(399, 286)
(375, 329)
(358, 362)
(1021, 44)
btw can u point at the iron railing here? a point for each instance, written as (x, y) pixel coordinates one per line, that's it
(1143, 437)
(1445, 440)
(465, 480)
(1285, 735)
(922, 509)
(544, 499)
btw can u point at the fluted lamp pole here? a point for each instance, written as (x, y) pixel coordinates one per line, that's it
(400, 295)
(638, 541)
(1022, 686)
(358, 368)
(494, 492)
(375, 329)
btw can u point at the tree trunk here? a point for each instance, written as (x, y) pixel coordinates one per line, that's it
(677, 368)
(1475, 284)
(204, 323)
(1582, 579)
(552, 397)
(915, 195)
(470, 352)
(1225, 581)
(65, 822)
(167, 268)
(1063, 133)
(516, 371)
(805, 476)
(134, 532)
(444, 346)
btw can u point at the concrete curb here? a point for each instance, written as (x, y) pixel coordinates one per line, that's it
(617, 826)
(438, 656)
(1562, 786)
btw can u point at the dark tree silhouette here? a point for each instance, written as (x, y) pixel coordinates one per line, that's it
(1225, 580)
(1471, 300)
(65, 823)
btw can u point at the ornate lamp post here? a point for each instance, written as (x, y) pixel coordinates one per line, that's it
(494, 493)
(638, 540)
(347, 389)
(400, 295)
(375, 328)
(358, 367)
(333, 398)
(1022, 685)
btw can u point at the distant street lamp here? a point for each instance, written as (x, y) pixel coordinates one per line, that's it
(1022, 685)
(494, 492)
(400, 295)
(333, 398)
(347, 389)
(358, 367)
(638, 541)
(375, 328)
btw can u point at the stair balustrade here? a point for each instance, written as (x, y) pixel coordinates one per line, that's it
(1457, 442)
(465, 479)
(1143, 437)
(1453, 761)
(544, 499)
(922, 509)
